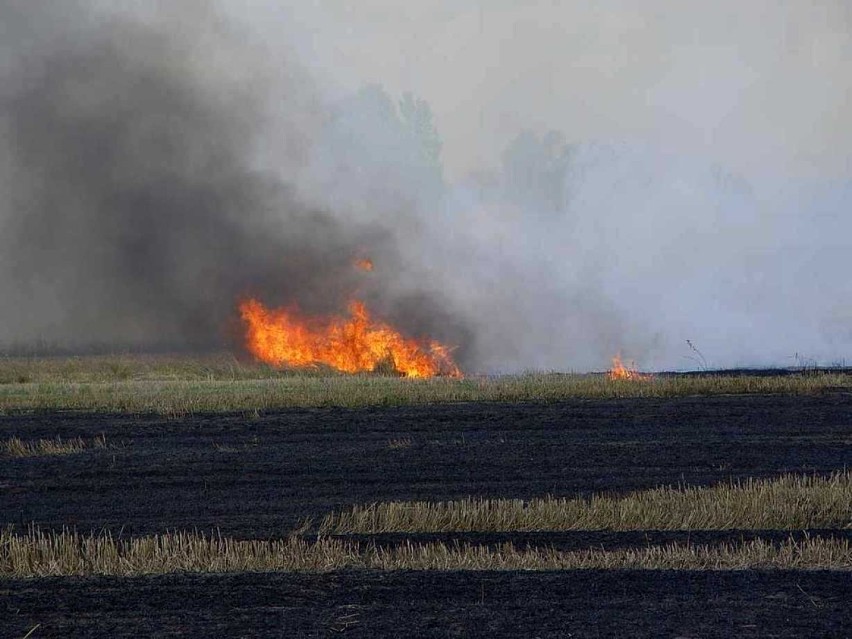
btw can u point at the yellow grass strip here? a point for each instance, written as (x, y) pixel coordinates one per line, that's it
(789, 502)
(41, 554)
(16, 447)
(136, 367)
(830, 554)
(188, 395)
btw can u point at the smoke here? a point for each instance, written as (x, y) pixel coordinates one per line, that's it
(626, 177)
(612, 177)
(135, 213)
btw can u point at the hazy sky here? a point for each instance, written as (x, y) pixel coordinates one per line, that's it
(756, 85)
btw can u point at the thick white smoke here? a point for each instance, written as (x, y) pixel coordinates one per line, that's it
(706, 190)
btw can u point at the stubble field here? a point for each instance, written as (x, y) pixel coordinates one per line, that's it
(482, 507)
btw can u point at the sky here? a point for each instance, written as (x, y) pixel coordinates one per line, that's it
(757, 85)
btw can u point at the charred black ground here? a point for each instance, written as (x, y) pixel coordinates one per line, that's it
(256, 476)
(261, 476)
(582, 604)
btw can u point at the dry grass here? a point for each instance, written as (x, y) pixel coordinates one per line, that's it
(180, 385)
(789, 502)
(831, 554)
(93, 369)
(39, 554)
(16, 447)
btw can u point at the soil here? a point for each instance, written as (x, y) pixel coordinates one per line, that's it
(432, 604)
(260, 476)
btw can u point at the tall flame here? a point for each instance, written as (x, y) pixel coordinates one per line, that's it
(355, 344)
(621, 371)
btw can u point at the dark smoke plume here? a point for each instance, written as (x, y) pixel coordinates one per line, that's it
(135, 214)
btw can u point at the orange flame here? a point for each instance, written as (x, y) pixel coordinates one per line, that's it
(621, 371)
(364, 263)
(357, 344)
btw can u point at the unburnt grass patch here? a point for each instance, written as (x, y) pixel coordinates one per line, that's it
(16, 447)
(187, 394)
(790, 502)
(40, 554)
(86, 369)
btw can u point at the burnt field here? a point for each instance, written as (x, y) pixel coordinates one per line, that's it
(261, 475)
(437, 604)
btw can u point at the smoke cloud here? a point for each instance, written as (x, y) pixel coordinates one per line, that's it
(136, 213)
(541, 184)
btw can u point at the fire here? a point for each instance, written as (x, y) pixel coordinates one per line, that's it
(365, 264)
(354, 344)
(621, 371)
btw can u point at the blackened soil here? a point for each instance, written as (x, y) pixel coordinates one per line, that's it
(432, 604)
(260, 477)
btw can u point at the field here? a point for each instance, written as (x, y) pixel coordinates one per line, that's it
(180, 385)
(170, 495)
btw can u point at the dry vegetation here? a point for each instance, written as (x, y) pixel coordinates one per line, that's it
(787, 503)
(95, 369)
(16, 447)
(181, 385)
(40, 554)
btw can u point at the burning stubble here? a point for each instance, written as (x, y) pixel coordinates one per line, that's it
(622, 371)
(355, 345)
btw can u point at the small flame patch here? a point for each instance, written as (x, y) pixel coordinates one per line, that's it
(620, 370)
